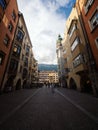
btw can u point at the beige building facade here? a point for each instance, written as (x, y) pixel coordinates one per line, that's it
(75, 55)
(48, 77)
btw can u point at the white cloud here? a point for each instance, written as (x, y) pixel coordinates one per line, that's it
(43, 25)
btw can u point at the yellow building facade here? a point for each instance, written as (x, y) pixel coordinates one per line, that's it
(48, 77)
(75, 54)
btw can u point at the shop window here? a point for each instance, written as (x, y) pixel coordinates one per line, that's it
(6, 40)
(2, 56)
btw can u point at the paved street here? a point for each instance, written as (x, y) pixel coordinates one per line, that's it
(43, 109)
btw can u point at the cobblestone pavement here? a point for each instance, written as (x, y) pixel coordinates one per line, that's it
(44, 109)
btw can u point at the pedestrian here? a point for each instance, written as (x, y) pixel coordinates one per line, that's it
(52, 88)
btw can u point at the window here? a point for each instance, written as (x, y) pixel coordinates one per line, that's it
(20, 36)
(78, 60)
(10, 27)
(3, 4)
(75, 43)
(6, 40)
(14, 15)
(88, 5)
(27, 50)
(13, 65)
(2, 56)
(26, 61)
(74, 27)
(96, 42)
(94, 20)
(17, 50)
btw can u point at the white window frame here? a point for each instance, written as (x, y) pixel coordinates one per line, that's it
(73, 28)
(75, 43)
(88, 5)
(94, 19)
(96, 42)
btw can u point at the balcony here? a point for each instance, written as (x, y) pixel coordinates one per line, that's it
(80, 69)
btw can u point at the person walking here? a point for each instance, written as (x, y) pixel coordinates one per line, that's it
(52, 88)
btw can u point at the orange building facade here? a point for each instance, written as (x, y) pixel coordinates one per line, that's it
(89, 10)
(8, 23)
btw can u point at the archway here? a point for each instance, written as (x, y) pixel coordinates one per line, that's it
(18, 84)
(72, 84)
(9, 84)
(86, 85)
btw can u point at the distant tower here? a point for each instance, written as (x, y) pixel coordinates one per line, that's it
(60, 59)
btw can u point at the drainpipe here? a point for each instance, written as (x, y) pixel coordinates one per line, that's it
(91, 61)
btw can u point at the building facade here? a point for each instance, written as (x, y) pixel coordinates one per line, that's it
(35, 74)
(75, 55)
(48, 77)
(79, 48)
(19, 70)
(8, 23)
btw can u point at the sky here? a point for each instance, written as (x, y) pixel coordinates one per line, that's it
(45, 20)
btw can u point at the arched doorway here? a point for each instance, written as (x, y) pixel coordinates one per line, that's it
(72, 84)
(86, 85)
(9, 84)
(18, 84)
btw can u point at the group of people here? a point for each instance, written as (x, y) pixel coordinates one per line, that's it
(50, 85)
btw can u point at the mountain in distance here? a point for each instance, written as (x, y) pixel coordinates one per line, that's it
(47, 67)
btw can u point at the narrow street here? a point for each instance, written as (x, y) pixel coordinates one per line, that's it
(44, 109)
